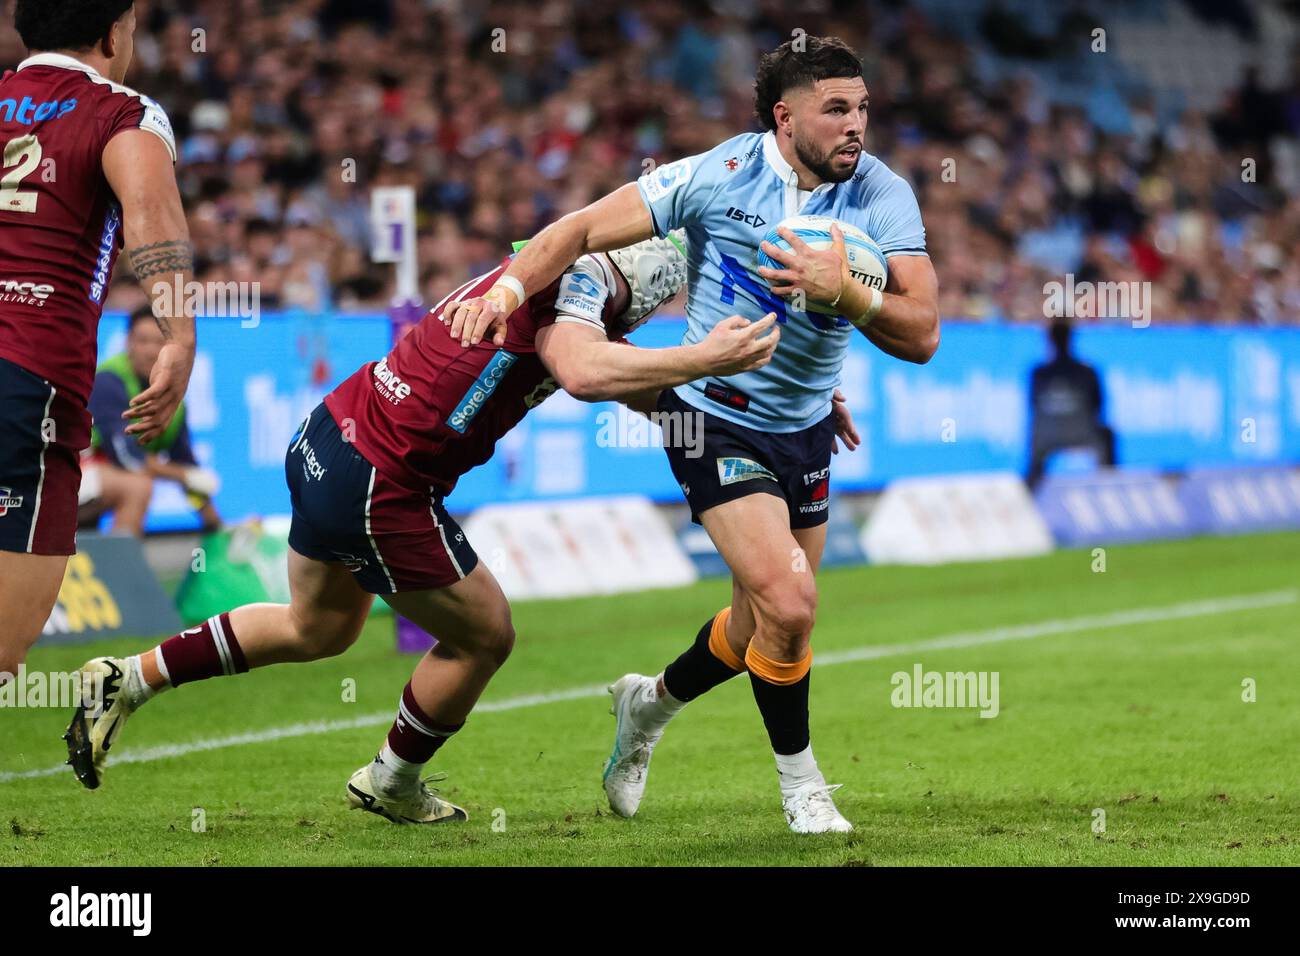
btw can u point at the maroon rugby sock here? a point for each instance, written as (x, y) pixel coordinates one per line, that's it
(414, 737)
(209, 650)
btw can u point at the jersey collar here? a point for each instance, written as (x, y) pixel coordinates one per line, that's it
(61, 60)
(794, 196)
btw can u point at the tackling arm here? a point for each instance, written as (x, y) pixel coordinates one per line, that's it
(617, 220)
(591, 368)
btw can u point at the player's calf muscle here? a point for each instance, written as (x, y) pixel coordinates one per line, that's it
(29, 586)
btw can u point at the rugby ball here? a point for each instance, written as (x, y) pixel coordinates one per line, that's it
(866, 261)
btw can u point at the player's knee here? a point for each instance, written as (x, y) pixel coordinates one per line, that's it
(137, 488)
(791, 610)
(318, 639)
(497, 642)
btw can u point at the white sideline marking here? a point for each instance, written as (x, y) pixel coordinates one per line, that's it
(1021, 632)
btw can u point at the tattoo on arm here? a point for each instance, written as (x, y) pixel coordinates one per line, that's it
(161, 257)
(169, 259)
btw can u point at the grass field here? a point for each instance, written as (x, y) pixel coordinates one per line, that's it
(1119, 690)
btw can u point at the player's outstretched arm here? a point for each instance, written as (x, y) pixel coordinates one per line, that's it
(617, 220)
(591, 368)
(138, 168)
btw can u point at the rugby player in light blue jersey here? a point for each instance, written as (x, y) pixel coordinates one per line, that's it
(761, 487)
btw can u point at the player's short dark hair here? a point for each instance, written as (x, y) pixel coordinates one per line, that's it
(66, 24)
(800, 61)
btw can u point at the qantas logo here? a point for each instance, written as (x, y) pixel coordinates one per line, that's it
(28, 111)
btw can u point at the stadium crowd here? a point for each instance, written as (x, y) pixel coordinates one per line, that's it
(506, 115)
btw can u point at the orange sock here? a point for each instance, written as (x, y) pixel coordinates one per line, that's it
(780, 673)
(718, 645)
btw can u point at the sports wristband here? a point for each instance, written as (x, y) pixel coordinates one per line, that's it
(514, 285)
(877, 302)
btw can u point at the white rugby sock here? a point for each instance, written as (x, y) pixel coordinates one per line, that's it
(392, 774)
(797, 770)
(650, 711)
(135, 687)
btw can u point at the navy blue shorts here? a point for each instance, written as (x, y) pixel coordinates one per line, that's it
(344, 509)
(43, 429)
(734, 461)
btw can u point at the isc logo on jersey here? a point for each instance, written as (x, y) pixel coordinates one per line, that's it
(24, 292)
(388, 384)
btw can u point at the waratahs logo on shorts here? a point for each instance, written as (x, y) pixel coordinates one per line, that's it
(732, 470)
(9, 500)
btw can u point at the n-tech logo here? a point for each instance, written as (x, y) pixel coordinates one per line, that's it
(311, 466)
(481, 390)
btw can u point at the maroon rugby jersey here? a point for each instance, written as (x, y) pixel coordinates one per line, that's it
(431, 409)
(60, 225)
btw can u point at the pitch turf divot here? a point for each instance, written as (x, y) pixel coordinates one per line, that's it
(997, 635)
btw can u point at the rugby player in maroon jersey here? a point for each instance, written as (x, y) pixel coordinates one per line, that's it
(367, 473)
(87, 169)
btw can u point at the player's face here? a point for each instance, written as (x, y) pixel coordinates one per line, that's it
(143, 343)
(124, 30)
(828, 122)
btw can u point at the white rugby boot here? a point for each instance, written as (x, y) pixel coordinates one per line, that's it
(419, 804)
(106, 703)
(810, 809)
(629, 762)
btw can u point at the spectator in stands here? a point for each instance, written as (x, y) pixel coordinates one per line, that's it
(118, 473)
(1066, 403)
(1020, 170)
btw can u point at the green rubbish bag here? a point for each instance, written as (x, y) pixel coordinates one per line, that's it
(246, 564)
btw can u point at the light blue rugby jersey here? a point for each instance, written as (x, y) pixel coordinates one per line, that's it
(727, 199)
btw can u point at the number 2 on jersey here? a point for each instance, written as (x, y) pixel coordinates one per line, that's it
(24, 155)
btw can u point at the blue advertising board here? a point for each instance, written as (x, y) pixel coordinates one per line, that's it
(1178, 398)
